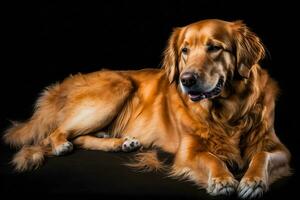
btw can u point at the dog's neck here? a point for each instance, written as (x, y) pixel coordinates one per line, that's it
(239, 98)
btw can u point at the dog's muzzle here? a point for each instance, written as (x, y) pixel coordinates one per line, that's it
(189, 84)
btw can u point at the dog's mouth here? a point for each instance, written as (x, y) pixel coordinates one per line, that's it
(198, 95)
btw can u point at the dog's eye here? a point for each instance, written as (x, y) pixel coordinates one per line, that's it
(184, 50)
(212, 47)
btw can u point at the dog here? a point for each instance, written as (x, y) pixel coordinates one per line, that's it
(211, 105)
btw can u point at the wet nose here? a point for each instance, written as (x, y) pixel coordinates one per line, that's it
(188, 79)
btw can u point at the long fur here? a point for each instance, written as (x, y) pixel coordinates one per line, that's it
(33, 132)
(147, 161)
(29, 157)
(39, 125)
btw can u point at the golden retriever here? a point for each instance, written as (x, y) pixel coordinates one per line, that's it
(211, 105)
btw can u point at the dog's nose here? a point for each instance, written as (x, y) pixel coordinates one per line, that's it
(188, 79)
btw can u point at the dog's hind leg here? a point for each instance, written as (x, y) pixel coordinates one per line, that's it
(90, 110)
(107, 144)
(84, 104)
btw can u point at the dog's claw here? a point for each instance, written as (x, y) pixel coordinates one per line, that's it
(222, 186)
(250, 188)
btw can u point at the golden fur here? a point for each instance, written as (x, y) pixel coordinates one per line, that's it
(236, 127)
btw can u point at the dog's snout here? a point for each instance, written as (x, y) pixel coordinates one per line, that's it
(188, 79)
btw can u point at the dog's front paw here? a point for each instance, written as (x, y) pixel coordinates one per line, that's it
(251, 187)
(130, 144)
(63, 149)
(221, 185)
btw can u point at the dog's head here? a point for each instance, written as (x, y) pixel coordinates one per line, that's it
(202, 56)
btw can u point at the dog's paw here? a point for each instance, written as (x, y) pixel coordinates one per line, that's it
(130, 144)
(222, 186)
(63, 149)
(251, 187)
(102, 135)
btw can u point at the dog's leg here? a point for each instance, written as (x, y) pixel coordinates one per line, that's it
(203, 167)
(264, 168)
(90, 110)
(206, 169)
(59, 143)
(84, 120)
(107, 144)
(219, 179)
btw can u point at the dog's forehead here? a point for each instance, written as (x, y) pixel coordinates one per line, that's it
(203, 30)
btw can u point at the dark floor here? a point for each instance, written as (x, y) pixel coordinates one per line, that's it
(95, 174)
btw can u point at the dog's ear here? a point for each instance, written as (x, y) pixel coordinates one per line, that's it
(170, 60)
(249, 48)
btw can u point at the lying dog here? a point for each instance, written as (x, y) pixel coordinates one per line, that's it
(211, 105)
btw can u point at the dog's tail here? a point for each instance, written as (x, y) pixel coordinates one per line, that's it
(32, 136)
(148, 161)
(29, 157)
(38, 126)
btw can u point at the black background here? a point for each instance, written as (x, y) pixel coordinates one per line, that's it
(45, 42)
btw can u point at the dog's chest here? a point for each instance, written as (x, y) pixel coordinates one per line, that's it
(226, 146)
